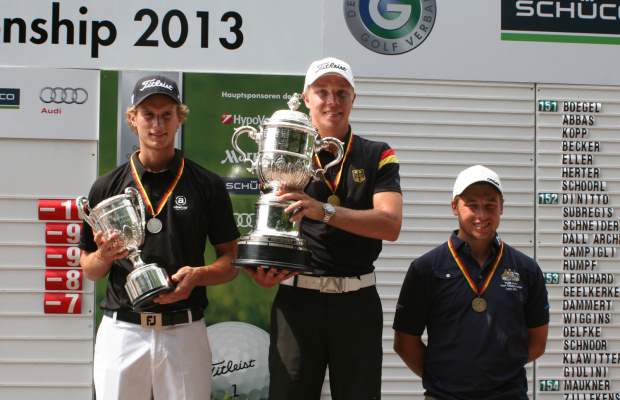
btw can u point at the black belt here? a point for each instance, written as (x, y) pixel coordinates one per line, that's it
(155, 320)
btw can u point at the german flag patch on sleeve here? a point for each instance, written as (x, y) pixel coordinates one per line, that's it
(387, 157)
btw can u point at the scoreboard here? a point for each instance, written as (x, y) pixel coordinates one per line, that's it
(578, 238)
(48, 155)
(63, 276)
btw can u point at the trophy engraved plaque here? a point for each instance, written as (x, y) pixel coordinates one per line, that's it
(287, 143)
(124, 213)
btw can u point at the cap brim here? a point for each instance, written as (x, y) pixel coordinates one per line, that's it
(146, 96)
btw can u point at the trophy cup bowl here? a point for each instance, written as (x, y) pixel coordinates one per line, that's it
(124, 213)
(287, 143)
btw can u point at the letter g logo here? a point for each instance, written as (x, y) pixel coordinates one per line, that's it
(402, 14)
(390, 26)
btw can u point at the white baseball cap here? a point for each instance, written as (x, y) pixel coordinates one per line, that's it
(475, 174)
(328, 65)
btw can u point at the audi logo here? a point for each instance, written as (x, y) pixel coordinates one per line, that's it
(60, 95)
(245, 220)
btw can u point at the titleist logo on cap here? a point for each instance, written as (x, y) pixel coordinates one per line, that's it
(155, 83)
(493, 181)
(327, 65)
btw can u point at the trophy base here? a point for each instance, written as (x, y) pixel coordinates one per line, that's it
(145, 301)
(274, 251)
(145, 283)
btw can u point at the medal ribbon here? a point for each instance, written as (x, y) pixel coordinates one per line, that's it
(333, 185)
(472, 285)
(145, 196)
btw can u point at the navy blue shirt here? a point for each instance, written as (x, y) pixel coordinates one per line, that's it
(472, 355)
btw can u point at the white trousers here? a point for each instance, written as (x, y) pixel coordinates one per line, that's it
(136, 363)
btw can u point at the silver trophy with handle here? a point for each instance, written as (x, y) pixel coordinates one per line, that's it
(287, 143)
(124, 213)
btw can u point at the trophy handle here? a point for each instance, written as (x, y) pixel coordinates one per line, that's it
(136, 200)
(253, 134)
(83, 209)
(324, 143)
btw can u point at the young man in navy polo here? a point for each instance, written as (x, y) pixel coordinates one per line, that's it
(483, 304)
(186, 205)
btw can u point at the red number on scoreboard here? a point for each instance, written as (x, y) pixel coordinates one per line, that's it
(62, 256)
(63, 279)
(62, 232)
(62, 303)
(57, 209)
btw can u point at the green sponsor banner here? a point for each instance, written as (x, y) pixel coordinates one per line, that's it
(544, 37)
(108, 110)
(218, 104)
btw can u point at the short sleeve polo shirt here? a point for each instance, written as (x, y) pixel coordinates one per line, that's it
(198, 209)
(370, 167)
(473, 355)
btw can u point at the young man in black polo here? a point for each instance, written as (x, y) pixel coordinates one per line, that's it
(185, 205)
(483, 304)
(335, 320)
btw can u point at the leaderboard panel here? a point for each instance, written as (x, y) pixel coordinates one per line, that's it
(578, 240)
(48, 151)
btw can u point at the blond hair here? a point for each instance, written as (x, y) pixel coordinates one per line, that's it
(182, 113)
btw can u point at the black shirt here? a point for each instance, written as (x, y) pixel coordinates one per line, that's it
(370, 167)
(471, 355)
(199, 207)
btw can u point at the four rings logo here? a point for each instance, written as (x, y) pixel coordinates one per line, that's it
(59, 95)
(390, 26)
(245, 220)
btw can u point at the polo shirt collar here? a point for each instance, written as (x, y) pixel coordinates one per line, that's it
(347, 138)
(462, 247)
(171, 168)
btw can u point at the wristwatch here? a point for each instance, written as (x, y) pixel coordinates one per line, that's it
(329, 211)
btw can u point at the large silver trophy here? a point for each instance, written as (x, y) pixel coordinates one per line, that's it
(287, 143)
(124, 214)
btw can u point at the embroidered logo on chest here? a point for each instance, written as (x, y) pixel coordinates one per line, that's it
(511, 280)
(358, 175)
(180, 203)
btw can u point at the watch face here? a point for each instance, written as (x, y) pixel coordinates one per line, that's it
(329, 211)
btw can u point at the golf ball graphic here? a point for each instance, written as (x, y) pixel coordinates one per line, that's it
(240, 369)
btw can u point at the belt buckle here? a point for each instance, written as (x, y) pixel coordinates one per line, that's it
(151, 320)
(332, 284)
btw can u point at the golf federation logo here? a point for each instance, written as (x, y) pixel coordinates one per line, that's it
(511, 281)
(180, 203)
(390, 26)
(510, 276)
(358, 175)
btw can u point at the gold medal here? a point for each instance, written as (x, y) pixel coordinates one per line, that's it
(479, 304)
(333, 200)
